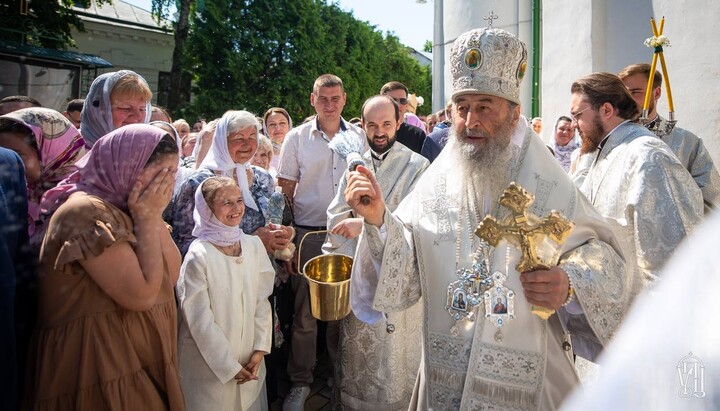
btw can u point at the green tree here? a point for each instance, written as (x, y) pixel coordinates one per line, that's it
(254, 54)
(179, 77)
(428, 46)
(45, 23)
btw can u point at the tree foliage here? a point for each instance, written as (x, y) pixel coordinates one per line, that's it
(45, 23)
(255, 54)
(428, 46)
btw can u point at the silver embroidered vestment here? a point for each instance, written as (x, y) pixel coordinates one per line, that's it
(648, 197)
(692, 153)
(528, 369)
(376, 370)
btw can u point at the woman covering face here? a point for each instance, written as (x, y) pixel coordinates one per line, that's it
(49, 146)
(115, 99)
(107, 320)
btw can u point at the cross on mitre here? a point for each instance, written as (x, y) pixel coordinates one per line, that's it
(523, 228)
(490, 19)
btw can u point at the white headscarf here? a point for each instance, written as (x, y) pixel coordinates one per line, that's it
(219, 159)
(208, 227)
(97, 114)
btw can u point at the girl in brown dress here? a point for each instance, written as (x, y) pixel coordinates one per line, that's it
(107, 322)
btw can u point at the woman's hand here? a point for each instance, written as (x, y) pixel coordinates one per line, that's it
(148, 203)
(204, 140)
(244, 376)
(273, 237)
(254, 364)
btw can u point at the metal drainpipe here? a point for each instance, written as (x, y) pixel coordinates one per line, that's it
(438, 63)
(535, 101)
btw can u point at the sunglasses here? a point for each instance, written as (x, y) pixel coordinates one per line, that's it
(402, 101)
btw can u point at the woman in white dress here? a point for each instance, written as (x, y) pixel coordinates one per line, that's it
(225, 328)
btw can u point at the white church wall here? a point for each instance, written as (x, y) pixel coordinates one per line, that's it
(567, 55)
(586, 36)
(693, 62)
(513, 16)
(143, 51)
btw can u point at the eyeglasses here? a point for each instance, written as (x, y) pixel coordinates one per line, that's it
(402, 101)
(576, 116)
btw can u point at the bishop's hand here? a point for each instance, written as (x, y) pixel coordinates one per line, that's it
(546, 288)
(362, 182)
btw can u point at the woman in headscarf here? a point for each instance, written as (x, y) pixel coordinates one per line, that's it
(225, 328)
(107, 320)
(49, 146)
(234, 143)
(115, 99)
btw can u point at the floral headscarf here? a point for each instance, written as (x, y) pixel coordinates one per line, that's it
(58, 145)
(110, 168)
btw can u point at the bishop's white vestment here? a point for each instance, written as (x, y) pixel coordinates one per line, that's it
(376, 370)
(527, 369)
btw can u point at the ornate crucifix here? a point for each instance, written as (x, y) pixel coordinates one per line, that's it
(526, 231)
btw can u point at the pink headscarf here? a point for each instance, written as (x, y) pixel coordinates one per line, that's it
(208, 227)
(110, 168)
(58, 145)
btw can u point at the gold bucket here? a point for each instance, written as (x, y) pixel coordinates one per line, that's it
(328, 278)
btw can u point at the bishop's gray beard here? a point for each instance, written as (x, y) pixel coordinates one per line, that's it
(485, 169)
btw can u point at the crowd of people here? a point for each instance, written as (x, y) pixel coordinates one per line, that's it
(141, 268)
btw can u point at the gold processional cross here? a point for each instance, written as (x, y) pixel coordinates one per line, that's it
(526, 231)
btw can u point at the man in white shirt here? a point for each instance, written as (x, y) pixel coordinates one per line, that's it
(309, 174)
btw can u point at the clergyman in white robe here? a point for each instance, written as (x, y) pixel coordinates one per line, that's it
(646, 194)
(376, 370)
(692, 153)
(413, 254)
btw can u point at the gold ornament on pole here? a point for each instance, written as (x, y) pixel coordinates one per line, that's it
(657, 42)
(529, 233)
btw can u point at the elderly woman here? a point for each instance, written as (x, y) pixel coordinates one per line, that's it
(264, 155)
(234, 143)
(107, 319)
(182, 127)
(49, 146)
(225, 329)
(276, 124)
(115, 99)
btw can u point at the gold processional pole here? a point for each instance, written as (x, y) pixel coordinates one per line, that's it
(657, 42)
